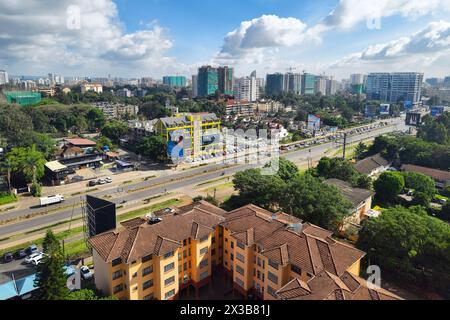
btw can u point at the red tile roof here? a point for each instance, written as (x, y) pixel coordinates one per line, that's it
(81, 142)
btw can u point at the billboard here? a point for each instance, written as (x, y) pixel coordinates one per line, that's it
(408, 105)
(384, 109)
(101, 215)
(370, 110)
(178, 139)
(314, 122)
(437, 111)
(413, 119)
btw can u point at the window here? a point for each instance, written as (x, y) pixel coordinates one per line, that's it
(239, 282)
(213, 252)
(226, 251)
(272, 277)
(259, 262)
(241, 245)
(116, 262)
(273, 264)
(263, 277)
(148, 284)
(135, 275)
(204, 275)
(169, 267)
(133, 262)
(232, 257)
(169, 254)
(147, 258)
(254, 272)
(296, 269)
(185, 266)
(170, 294)
(264, 264)
(169, 281)
(271, 291)
(185, 254)
(239, 270)
(240, 257)
(213, 240)
(226, 239)
(259, 274)
(232, 245)
(118, 288)
(184, 242)
(149, 297)
(204, 263)
(189, 252)
(117, 274)
(205, 238)
(147, 271)
(203, 250)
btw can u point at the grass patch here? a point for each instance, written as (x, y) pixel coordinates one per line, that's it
(209, 182)
(75, 248)
(7, 198)
(83, 192)
(148, 178)
(141, 212)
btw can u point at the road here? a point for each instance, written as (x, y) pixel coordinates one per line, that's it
(157, 186)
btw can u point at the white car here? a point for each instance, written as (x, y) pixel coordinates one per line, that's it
(108, 180)
(37, 260)
(86, 273)
(32, 256)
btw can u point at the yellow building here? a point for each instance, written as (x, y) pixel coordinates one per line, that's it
(200, 132)
(272, 256)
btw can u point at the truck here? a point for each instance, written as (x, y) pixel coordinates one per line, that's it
(45, 201)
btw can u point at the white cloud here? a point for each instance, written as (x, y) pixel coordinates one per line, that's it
(35, 37)
(349, 13)
(252, 39)
(425, 49)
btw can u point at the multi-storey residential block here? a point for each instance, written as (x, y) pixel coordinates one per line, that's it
(95, 87)
(272, 256)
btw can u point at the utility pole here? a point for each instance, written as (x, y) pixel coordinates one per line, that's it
(345, 146)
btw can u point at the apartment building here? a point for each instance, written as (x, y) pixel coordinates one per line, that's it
(273, 256)
(95, 87)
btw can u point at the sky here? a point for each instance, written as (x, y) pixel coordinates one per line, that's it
(153, 38)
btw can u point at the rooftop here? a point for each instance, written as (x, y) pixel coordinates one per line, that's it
(368, 165)
(433, 173)
(354, 195)
(81, 142)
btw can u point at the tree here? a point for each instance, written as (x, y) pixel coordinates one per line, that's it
(258, 189)
(360, 150)
(337, 168)
(28, 163)
(96, 119)
(411, 244)
(50, 276)
(308, 198)
(154, 147)
(420, 183)
(364, 182)
(153, 110)
(115, 130)
(421, 199)
(50, 243)
(287, 170)
(389, 185)
(104, 142)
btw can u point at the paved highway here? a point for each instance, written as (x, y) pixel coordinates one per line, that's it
(136, 192)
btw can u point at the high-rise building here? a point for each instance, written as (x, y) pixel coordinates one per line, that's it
(432, 81)
(3, 77)
(447, 82)
(308, 83)
(394, 87)
(358, 83)
(225, 80)
(320, 85)
(274, 84)
(331, 87)
(293, 83)
(194, 86)
(208, 81)
(248, 88)
(174, 81)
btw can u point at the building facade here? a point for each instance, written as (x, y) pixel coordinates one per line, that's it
(4, 79)
(174, 81)
(274, 84)
(272, 256)
(208, 81)
(95, 87)
(308, 83)
(395, 87)
(226, 80)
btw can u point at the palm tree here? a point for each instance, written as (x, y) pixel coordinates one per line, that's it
(33, 160)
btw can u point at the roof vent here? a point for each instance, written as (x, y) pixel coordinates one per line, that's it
(296, 227)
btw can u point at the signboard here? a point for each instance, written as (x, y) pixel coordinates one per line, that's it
(408, 105)
(437, 111)
(176, 145)
(413, 119)
(384, 109)
(314, 122)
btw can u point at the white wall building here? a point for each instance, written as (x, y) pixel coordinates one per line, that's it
(4, 79)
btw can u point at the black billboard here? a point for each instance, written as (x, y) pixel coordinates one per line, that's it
(413, 119)
(101, 215)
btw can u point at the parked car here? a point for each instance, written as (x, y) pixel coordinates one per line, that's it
(8, 257)
(92, 183)
(37, 260)
(101, 181)
(86, 273)
(32, 249)
(20, 254)
(30, 258)
(108, 180)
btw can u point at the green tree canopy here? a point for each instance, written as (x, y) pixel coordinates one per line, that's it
(154, 147)
(115, 130)
(389, 185)
(420, 183)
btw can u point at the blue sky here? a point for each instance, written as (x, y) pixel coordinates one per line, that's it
(134, 38)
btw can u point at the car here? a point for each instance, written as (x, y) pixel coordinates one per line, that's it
(92, 183)
(108, 180)
(37, 260)
(30, 258)
(20, 254)
(32, 249)
(8, 257)
(86, 273)
(101, 181)
(442, 201)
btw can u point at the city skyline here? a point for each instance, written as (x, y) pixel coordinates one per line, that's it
(150, 38)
